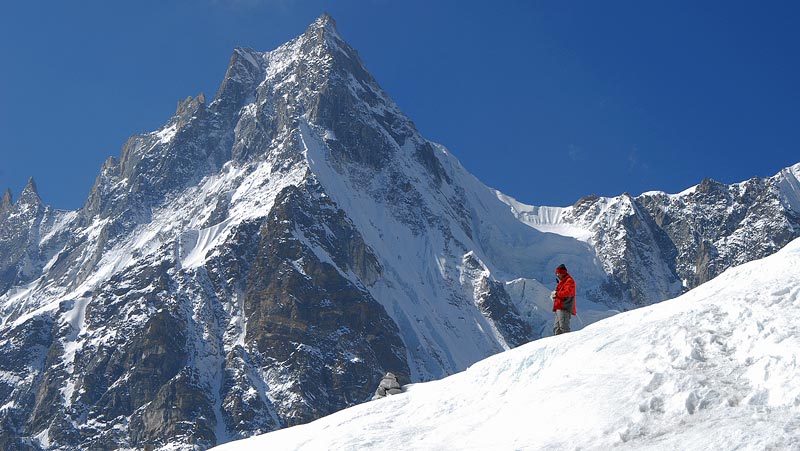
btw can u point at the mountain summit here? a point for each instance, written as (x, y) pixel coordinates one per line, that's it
(263, 260)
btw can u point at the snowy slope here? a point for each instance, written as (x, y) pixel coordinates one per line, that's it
(713, 369)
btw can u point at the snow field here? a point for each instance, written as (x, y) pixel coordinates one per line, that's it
(713, 369)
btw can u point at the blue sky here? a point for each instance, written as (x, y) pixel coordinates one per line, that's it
(546, 101)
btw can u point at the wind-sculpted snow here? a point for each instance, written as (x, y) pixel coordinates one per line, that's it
(713, 369)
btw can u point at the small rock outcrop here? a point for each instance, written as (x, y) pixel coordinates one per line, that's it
(388, 386)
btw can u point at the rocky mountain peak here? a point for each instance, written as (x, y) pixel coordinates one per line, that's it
(708, 185)
(190, 104)
(188, 109)
(30, 194)
(322, 43)
(248, 68)
(110, 163)
(323, 36)
(245, 71)
(324, 24)
(6, 202)
(584, 204)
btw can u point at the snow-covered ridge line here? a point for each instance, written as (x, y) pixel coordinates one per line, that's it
(787, 179)
(656, 245)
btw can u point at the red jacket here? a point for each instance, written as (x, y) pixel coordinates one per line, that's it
(565, 295)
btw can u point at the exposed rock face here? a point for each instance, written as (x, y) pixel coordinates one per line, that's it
(326, 333)
(717, 226)
(494, 302)
(262, 260)
(6, 203)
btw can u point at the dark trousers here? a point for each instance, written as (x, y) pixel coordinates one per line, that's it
(561, 324)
